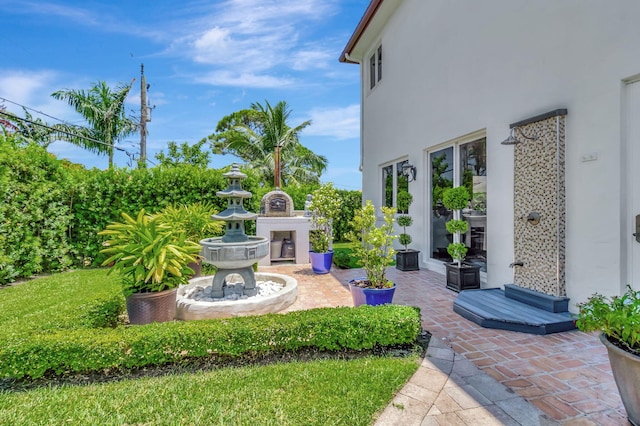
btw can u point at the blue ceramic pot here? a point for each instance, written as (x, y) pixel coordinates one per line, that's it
(371, 296)
(321, 262)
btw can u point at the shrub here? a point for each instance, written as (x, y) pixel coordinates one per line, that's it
(34, 213)
(342, 259)
(350, 202)
(324, 208)
(102, 313)
(62, 352)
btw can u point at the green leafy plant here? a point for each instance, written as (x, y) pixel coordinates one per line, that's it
(373, 245)
(618, 317)
(479, 202)
(456, 199)
(342, 259)
(150, 255)
(324, 208)
(404, 201)
(193, 219)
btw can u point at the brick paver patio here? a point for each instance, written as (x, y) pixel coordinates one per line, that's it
(566, 375)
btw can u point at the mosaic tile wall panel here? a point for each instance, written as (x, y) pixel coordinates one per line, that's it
(539, 188)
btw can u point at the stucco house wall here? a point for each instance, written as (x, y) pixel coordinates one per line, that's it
(454, 68)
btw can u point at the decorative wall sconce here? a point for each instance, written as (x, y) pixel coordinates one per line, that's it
(409, 171)
(512, 140)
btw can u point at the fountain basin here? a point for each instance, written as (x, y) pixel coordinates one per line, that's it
(234, 255)
(189, 309)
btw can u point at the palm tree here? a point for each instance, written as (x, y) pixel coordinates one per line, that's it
(253, 134)
(104, 111)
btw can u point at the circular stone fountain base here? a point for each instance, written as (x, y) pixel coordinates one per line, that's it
(189, 309)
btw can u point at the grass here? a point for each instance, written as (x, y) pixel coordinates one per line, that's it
(307, 393)
(334, 391)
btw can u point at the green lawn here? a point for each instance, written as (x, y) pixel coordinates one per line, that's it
(323, 392)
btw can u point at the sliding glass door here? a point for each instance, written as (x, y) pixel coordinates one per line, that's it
(460, 164)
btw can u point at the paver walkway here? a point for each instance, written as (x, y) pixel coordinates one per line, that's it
(478, 376)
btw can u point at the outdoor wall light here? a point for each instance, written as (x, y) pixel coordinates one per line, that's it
(512, 140)
(409, 171)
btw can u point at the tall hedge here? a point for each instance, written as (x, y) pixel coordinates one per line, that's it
(34, 213)
(100, 195)
(52, 210)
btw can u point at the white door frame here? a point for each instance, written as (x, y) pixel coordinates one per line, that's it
(630, 204)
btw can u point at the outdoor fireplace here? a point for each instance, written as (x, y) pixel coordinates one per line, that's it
(287, 231)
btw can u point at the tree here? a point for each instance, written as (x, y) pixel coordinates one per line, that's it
(35, 130)
(184, 154)
(105, 113)
(252, 135)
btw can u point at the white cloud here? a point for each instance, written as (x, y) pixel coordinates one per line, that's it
(243, 79)
(256, 38)
(311, 59)
(22, 86)
(339, 123)
(33, 89)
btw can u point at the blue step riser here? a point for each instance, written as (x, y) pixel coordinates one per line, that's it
(535, 298)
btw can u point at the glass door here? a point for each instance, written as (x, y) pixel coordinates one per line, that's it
(441, 179)
(461, 164)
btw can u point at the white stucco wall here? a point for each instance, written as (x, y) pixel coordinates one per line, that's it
(455, 67)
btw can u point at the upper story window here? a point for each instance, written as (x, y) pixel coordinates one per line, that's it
(375, 67)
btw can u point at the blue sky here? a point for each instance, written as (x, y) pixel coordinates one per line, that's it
(203, 60)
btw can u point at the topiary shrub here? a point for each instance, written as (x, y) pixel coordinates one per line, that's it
(456, 199)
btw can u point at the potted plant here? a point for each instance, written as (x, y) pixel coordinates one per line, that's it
(152, 259)
(373, 246)
(195, 221)
(323, 209)
(406, 259)
(618, 321)
(460, 276)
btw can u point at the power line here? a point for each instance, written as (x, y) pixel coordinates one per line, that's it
(75, 135)
(39, 112)
(59, 130)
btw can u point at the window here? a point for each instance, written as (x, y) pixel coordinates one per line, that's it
(402, 182)
(393, 182)
(375, 67)
(387, 186)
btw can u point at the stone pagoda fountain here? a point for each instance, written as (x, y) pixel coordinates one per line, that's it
(234, 254)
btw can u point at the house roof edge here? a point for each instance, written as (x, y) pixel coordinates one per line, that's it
(360, 29)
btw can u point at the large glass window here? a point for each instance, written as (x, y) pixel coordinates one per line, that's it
(393, 182)
(463, 164)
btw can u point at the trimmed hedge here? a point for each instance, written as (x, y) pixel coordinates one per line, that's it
(52, 210)
(86, 350)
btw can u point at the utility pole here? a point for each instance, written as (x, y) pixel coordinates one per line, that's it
(276, 174)
(142, 162)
